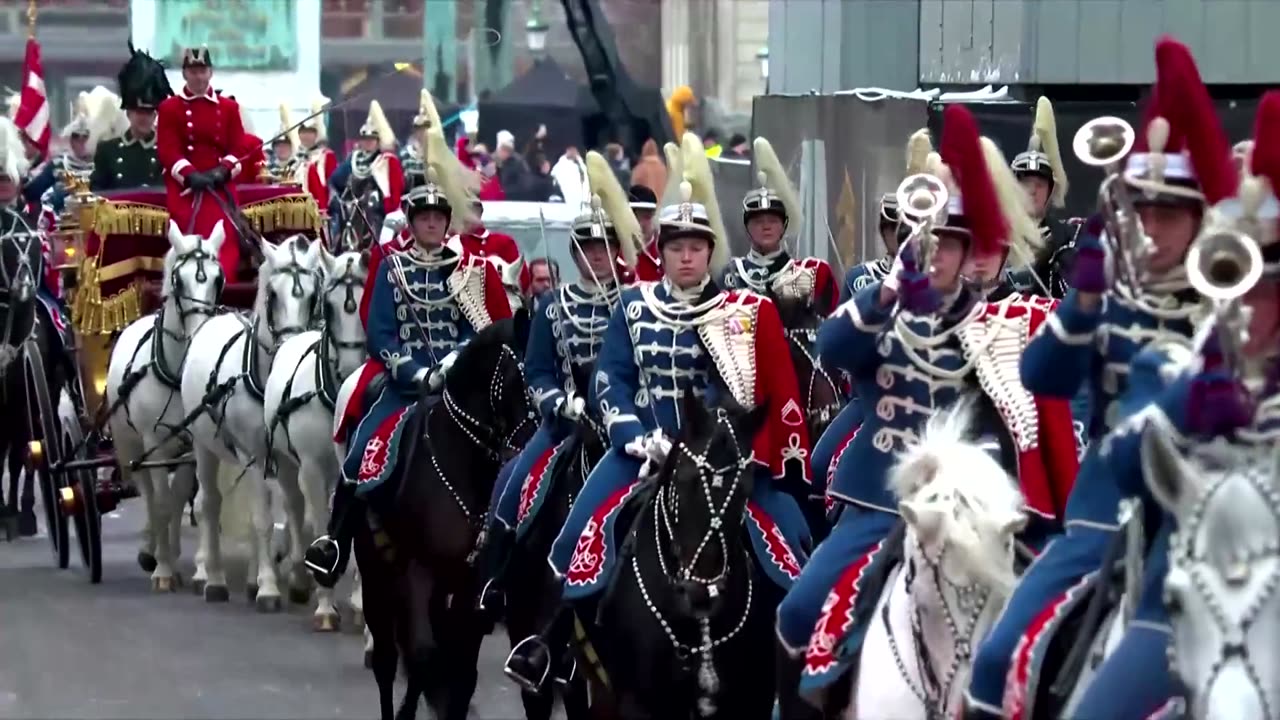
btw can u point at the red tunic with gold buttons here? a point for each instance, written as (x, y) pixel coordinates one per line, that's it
(196, 133)
(321, 163)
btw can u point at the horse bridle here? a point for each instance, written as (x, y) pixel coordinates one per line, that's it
(1182, 552)
(23, 275)
(198, 307)
(349, 283)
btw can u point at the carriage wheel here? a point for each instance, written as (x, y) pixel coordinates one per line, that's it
(45, 450)
(80, 500)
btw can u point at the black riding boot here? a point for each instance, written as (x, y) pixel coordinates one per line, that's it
(530, 660)
(27, 526)
(493, 560)
(328, 555)
(788, 669)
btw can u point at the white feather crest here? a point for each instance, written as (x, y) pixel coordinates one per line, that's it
(317, 121)
(1024, 238)
(919, 147)
(378, 119)
(776, 178)
(613, 200)
(106, 119)
(675, 174)
(13, 153)
(1045, 130)
(697, 170)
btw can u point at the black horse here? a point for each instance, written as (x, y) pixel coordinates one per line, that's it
(417, 551)
(360, 214)
(686, 631)
(23, 324)
(533, 592)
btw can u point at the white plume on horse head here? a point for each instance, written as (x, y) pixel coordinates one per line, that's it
(954, 494)
(1224, 565)
(13, 153)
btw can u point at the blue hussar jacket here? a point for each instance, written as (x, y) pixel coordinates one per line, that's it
(904, 367)
(862, 275)
(569, 324)
(338, 181)
(1075, 346)
(425, 305)
(651, 353)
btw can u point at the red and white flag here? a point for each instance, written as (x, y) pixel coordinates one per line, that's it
(32, 117)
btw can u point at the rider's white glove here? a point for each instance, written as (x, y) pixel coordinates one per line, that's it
(571, 407)
(657, 446)
(436, 380)
(891, 280)
(637, 448)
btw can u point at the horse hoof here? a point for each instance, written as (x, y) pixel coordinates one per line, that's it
(216, 594)
(197, 586)
(268, 604)
(251, 591)
(146, 561)
(163, 584)
(368, 659)
(325, 623)
(299, 595)
(357, 619)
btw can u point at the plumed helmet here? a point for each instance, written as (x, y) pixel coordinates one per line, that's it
(316, 121)
(79, 125)
(197, 57)
(428, 115)
(428, 196)
(1042, 158)
(376, 126)
(697, 207)
(142, 82)
(611, 204)
(919, 146)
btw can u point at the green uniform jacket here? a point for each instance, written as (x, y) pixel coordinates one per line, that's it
(124, 163)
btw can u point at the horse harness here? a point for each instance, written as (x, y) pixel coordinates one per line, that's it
(935, 689)
(18, 232)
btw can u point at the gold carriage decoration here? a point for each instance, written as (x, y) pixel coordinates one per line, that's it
(121, 239)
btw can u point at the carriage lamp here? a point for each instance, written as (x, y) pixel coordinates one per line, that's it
(535, 29)
(100, 384)
(69, 500)
(35, 454)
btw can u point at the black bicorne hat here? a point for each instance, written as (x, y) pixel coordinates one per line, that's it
(197, 57)
(142, 82)
(640, 197)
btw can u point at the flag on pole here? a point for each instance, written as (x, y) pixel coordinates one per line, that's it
(32, 117)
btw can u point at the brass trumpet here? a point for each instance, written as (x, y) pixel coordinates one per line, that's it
(922, 203)
(1105, 142)
(1223, 264)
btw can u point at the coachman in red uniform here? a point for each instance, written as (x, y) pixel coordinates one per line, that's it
(644, 203)
(320, 160)
(199, 141)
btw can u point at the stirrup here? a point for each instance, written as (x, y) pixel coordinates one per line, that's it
(485, 593)
(521, 680)
(321, 544)
(566, 678)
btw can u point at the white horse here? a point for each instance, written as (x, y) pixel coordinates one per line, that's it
(962, 512)
(231, 356)
(1222, 591)
(300, 395)
(145, 368)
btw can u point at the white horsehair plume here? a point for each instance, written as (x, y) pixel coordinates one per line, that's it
(697, 170)
(1024, 238)
(776, 179)
(614, 202)
(460, 185)
(934, 166)
(317, 120)
(13, 153)
(14, 100)
(286, 127)
(675, 174)
(106, 120)
(386, 137)
(919, 147)
(1045, 131)
(427, 107)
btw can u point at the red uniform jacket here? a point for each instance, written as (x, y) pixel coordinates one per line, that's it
(649, 263)
(388, 173)
(196, 133)
(481, 241)
(320, 168)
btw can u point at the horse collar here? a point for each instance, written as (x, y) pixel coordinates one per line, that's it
(158, 359)
(252, 363)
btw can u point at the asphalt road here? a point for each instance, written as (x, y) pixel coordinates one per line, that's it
(72, 650)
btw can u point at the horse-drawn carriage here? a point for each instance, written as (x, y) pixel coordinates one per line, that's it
(113, 248)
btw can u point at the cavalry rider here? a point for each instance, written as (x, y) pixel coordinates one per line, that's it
(285, 148)
(1040, 171)
(644, 204)
(78, 160)
(566, 330)
(130, 161)
(665, 339)
(413, 154)
(199, 139)
(371, 176)
(1214, 400)
(828, 448)
(428, 301)
(913, 343)
(320, 161)
(1093, 335)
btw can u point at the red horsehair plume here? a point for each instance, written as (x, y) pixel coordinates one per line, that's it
(961, 150)
(1192, 114)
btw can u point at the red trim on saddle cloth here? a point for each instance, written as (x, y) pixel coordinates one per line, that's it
(377, 451)
(828, 499)
(529, 488)
(780, 553)
(1174, 707)
(353, 411)
(836, 617)
(1016, 690)
(587, 562)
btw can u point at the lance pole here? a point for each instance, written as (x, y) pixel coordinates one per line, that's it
(31, 19)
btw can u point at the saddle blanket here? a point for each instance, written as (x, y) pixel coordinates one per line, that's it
(375, 444)
(776, 550)
(537, 485)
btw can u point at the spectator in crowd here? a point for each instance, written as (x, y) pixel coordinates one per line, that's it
(570, 174)
(711, 143)
(544, 275)
(490, 187)
(536, 149)
(619, 162)
(738, 148)
(650, 171)
(513, 173)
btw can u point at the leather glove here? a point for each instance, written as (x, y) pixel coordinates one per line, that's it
(1089, 266)
(637, 448)
(657, 446)
(199, 180)
(1218, 404)
(571, 407)
(435, 380)
(891, 280)
(915, 293)
(219, 176)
